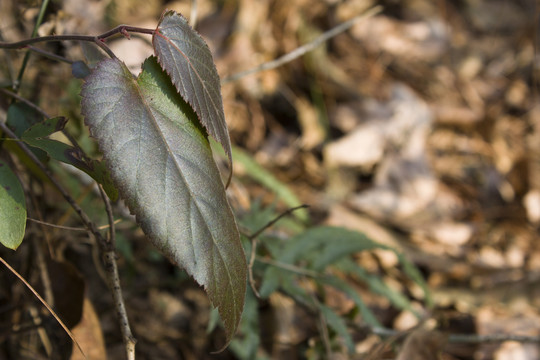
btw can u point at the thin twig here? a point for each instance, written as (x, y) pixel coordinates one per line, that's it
(39, 20)
(70, 228)
(44, 304)
(493, 338)
(109, 255)
(465, 338)
(25, 101)
(254, 244)
(289, 267)
(43, 272)
(46, 234)
(110, 216)
(250, 268)
(324, 330)
(296, 53)
(99, 40)
(105, 48)
(43, 336)
(121, 29)
(49, 54)
(8, 62)
(279, 217)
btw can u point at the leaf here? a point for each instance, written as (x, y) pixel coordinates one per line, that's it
(184, 55)
(35, 136)
(45, 128)
(377, 285)
(21, 116)
(267, 179)
(161, 161)
(338, 325)
(336, 244)
(12, 208)
(414, 273)
(273, 278)
(343, 286)
(322, 245)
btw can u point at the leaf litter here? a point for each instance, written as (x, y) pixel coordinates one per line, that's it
(464, 183)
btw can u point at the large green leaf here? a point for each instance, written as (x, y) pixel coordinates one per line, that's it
(184, 55)
(162, 164)
(12, 208)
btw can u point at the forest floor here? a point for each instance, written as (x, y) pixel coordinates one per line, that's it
(419, 127)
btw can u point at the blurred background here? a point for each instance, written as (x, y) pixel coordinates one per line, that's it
(418, 127)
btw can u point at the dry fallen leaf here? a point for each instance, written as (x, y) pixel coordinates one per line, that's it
(89, 335)
(423, 344)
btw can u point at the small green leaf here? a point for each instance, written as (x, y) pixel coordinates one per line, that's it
(412, 272)
(268, 180)
(337, 323)
(12, 208)
(273, 278)
(161, 161)
(367, 314)
(36, 135)
(20, 117)
(45, 128)
(324, 244)
(377, 285)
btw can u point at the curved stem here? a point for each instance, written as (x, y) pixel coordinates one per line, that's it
(49, 55)
(121, 29)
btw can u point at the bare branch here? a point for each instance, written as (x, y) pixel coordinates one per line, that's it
(272, 222)
(296, 53)
(465, 338)
(109, 256)
(254, 243)
(121, 29)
